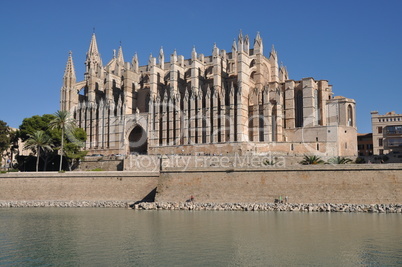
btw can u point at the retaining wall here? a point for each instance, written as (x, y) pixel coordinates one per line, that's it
(360, 184)
(77, 186)
(356, 184)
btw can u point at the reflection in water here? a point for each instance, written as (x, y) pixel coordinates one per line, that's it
(122, 237)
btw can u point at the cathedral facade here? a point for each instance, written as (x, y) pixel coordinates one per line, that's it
(237, 101)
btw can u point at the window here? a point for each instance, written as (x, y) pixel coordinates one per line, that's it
(394, 129)
(394, 142)
(350, 115)
(381, 152)
(380, 129)
(299, 108)
(380, 142)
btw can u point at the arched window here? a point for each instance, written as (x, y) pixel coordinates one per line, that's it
(299, 108)
(350, 115)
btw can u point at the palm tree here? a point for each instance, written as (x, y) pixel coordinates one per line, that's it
(307, 160)
(66, 123)
(38, 141)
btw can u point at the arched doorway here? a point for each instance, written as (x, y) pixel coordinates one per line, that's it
(138, 140)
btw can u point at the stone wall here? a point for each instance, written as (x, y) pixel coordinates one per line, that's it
(356, 184)
(77, 186)
(359, 184)
(101, 163)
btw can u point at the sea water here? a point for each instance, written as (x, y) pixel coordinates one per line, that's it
(124, 237)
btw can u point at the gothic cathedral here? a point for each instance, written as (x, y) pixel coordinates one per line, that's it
(230, 102)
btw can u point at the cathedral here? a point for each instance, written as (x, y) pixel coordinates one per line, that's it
(236, 101)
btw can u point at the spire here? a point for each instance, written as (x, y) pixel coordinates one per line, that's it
(173, 57)
(215, 51)
(135, 62)
(258, 37)
(69, 72)
(240, 41)
(68, 99)
(93, 47)
(151, 59)
(258, 47)
(193, 54)
(161, 58)
(273, 53)
(120, 57)
(240, 37)
(234, 46)
(246, 47)
(93, 60)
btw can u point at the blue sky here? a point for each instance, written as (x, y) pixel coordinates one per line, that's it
(355, 45)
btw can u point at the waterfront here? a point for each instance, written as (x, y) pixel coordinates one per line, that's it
(124, 237)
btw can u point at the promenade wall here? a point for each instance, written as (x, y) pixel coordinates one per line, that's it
(78, 186)
(359, 184)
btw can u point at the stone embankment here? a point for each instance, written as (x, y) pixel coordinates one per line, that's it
(326, 207)
(65, 204)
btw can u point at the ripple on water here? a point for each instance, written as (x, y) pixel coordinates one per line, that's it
(122, 237)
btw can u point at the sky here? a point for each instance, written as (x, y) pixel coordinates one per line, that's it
(356, 44)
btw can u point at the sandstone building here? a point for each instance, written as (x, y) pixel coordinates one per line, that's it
(236, 101)
(387, 133)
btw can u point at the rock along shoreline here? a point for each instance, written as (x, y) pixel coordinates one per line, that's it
(325, 207)
(195, 206)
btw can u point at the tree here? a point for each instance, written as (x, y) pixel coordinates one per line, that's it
(38, 141)
(73, 147)
(4, 139)
(73, 142)
(38, 123)
(66, 123)
(307, 160)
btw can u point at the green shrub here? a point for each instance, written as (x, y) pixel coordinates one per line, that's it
(339, 160)
(311, 160)
(360, 160)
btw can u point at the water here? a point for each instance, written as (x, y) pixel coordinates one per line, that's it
(122, 237)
